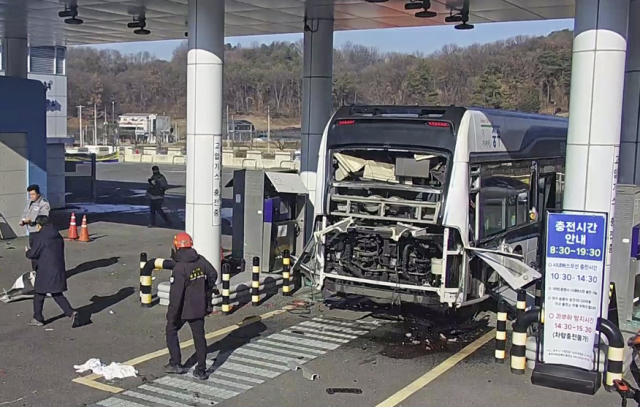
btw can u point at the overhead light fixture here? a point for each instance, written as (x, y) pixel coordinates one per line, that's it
(464, 16)
(453, 18)
(425, 5)
(70, 14)
(426, 14)
(464, 26)
(414, 5)
(139, 24)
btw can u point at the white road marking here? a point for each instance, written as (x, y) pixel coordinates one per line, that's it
(249, 365)
(295, 347)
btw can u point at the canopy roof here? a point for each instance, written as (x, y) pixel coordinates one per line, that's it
(105, 21)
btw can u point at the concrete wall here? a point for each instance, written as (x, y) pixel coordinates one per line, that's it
(251, 159)
(22, 111)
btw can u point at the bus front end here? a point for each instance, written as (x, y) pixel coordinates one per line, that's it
(382, 188)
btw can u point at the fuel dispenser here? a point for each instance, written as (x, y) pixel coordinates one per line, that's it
(625, 264)
(268, 215)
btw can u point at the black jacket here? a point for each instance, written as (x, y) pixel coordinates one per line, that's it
(157, 186)
(192, 277)
(47, 248)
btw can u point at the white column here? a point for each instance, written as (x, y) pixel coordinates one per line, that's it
(630, 137)
(317, 83)
(204, 126)
(15, 53)
(597, 81)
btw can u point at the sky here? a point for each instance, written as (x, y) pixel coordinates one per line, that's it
(425, 40)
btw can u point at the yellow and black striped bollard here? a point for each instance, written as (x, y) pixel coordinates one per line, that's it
(226, 289)
(145, 281)
(286, 273)
(521, 304)
(519, 340)
(255, 282)
(501, 332)
(539, 293)
(615, 355)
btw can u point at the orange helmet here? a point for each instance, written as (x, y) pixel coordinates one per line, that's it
(182, 240)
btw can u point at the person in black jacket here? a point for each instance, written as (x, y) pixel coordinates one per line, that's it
(47, 248)
(192, 279)
(155, 192)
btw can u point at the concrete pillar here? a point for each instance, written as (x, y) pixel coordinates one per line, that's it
(597, 81)
(317, 83)
(15, 55)
(204, 126)
(630, 137)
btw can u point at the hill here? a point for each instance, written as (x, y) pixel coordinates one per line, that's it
(523, 73)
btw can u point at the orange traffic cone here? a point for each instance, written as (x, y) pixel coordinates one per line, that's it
(73, 229)
(84, 231)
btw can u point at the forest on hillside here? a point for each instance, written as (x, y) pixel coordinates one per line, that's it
(522, 73)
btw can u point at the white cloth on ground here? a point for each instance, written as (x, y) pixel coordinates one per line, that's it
(112, 371)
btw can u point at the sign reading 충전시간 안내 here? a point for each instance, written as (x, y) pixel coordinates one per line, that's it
(575, 256)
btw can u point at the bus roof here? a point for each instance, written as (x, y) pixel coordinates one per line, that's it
(522, 135)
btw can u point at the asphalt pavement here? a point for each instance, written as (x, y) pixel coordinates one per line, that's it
(359, 360)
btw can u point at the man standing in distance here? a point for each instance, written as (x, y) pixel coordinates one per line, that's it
(38, 205)
(157, 187)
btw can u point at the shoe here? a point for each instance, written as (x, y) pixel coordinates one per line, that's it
(35, 322)
(151, 226)
(173, 369)
(200, 374)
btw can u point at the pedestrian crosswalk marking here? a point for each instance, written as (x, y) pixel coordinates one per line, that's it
(239, 377)
(257, 362)
(188, 397)
(308, 342)
(277, 351)
(263, 355)
(289, 346)
(247, 366)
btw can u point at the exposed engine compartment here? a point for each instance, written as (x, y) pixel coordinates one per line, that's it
(394, 199)
(380, 255)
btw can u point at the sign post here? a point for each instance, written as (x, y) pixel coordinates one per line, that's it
(575, 252)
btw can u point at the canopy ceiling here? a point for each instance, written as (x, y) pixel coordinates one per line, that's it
(105, 21)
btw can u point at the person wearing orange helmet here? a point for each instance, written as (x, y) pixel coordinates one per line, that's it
(192, 279)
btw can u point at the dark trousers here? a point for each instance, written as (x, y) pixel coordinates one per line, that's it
(155, 206)
(59, 298)
(199, 341)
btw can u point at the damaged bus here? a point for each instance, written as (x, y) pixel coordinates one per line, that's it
(433, 205)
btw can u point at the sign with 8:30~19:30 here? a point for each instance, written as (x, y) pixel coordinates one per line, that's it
(574, 270)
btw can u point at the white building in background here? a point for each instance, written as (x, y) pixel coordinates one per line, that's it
(48, 65)
(144, 127)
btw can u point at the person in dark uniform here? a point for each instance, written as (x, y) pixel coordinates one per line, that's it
(157, 187)
(192, 279)
(47, 247)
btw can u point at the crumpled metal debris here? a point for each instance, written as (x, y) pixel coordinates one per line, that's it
(306, 373)
(22, 289)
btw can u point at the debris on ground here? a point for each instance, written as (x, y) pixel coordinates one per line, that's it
(348, 390)
(110, 372)
(306, 373)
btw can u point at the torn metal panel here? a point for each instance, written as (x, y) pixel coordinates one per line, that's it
(22, 289)
(509, 266)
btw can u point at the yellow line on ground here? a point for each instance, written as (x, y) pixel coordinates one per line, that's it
(437, 371)
(97, 385)
(89, 379)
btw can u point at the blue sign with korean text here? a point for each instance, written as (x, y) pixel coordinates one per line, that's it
(576, 236)
(574, 273)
